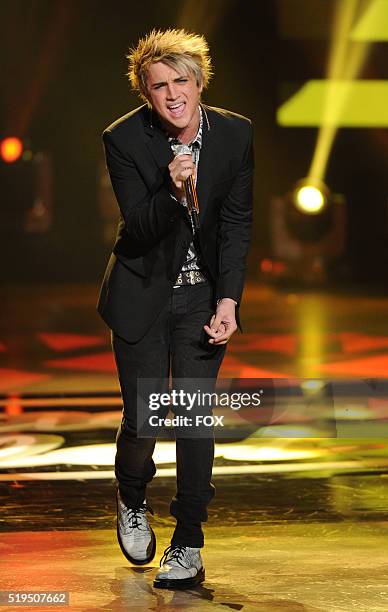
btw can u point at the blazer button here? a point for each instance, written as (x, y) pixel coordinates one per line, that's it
(172, 219)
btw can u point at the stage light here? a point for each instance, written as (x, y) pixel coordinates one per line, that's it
(279, 451)
(308, 230)
(309, 200)
(312, 385)
(11, 149)
(266, 265)
(310, 196)
(372, 25)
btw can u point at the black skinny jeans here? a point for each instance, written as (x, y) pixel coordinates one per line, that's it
(175, 342)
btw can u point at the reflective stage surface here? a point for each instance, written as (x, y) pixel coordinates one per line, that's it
(299, 521)
(271, 544)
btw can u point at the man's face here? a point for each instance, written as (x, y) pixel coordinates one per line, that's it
(174, 97)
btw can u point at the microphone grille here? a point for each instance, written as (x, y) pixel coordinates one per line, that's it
(182, 149)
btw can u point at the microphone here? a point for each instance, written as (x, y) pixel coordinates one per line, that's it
(190, 190)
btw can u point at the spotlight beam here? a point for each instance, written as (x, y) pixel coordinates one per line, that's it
(345, 63)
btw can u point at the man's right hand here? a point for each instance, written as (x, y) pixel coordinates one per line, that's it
(180, 169)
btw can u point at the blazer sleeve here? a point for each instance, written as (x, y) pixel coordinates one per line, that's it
(235, 227)
(147, 216)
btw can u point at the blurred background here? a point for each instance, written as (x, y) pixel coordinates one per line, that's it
(309, 73)
(313, 77)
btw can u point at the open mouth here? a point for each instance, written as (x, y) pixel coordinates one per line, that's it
(178, 109)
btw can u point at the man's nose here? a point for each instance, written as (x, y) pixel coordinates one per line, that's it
(171, 91)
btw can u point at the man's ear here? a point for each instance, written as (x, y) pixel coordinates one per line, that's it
(200, 85)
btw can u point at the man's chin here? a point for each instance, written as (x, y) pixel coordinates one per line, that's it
(178, 122)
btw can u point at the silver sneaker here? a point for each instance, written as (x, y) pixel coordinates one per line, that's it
(135, 535)
(181, 568)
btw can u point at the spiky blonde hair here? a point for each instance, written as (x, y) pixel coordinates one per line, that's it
(181, 50)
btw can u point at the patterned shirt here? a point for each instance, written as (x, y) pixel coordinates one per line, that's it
(192, 264)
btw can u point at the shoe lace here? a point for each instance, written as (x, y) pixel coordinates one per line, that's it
(174, 553)
(133, 516)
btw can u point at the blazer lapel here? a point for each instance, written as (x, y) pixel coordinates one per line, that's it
(205, 165)
(157, 145)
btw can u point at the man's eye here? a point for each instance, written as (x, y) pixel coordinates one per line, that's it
(182, 81)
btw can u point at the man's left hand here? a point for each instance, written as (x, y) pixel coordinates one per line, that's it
(223, 323)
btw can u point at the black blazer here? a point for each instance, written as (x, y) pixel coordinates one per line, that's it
(154, 230)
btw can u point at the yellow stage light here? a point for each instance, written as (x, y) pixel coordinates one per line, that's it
(310, 196)
(373, 23)
(312, 385)
(309, 200)
(337, 103)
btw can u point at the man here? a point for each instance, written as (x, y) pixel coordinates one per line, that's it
(171, 292)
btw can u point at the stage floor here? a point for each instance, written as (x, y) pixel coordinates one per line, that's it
(309, 566)
(299, 521)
